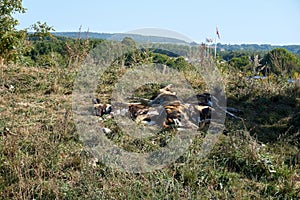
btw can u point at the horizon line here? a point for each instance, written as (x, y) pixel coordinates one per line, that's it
(224, 43)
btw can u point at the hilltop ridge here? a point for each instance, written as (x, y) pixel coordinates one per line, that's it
(159, 39)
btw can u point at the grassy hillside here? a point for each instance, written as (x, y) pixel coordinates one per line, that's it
(42, 156)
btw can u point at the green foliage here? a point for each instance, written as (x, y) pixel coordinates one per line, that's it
(278, 61)
(49, 50)
(160, 58)
(12, 42)
(46, 49)
(42, 30)
(281, 61)
(240, 62)
(128, 42)
(52, 59)
(178, 63)
(7, 9)
(14, 46)
(181, 64)
(295, 49)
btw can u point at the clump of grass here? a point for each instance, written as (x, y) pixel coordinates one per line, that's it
(269, 105)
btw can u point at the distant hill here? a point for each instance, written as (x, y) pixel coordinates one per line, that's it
(120, 36)
(156, 39)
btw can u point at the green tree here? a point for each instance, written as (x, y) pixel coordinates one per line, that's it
(281, 61)
(42, 30)
(45, 51)
(128, 41)
(240, 62)
(12, 42)
(181, 64)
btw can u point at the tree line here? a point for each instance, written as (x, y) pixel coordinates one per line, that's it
(37, 46)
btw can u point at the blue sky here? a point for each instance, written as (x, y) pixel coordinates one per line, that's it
(238, 21)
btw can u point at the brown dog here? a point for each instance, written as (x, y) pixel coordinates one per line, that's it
(101, 109)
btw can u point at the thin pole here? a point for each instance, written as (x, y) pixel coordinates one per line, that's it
(208, 46)
(215, 48)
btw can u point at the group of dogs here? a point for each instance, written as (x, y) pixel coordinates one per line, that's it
(166, 110)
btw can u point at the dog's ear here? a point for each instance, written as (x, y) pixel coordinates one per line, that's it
(108, 109)
(96, 101)
(99, 111)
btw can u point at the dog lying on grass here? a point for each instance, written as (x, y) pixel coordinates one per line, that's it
(101, 109)
(166, 110)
